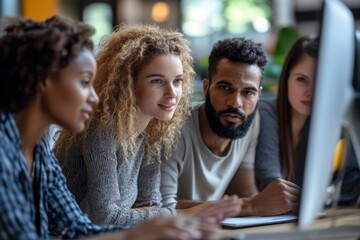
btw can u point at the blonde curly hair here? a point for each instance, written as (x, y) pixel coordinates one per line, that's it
(120, 57)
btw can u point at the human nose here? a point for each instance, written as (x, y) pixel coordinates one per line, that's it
(234, 101)
(309, 90)
(93, 98)
(170, 91)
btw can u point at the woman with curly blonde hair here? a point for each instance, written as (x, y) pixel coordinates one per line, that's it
(144, 82)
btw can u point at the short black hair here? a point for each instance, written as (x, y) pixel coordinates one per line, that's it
(237, 49)
(31, 51)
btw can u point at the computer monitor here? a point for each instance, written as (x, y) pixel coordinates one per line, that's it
(353, 119)
(333, 96)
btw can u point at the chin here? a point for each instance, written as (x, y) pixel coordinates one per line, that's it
(76, 128)
(165, 118)
(80, 128)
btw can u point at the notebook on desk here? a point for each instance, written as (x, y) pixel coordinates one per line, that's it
(244, 222)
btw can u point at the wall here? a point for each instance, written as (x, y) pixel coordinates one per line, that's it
(39, 9)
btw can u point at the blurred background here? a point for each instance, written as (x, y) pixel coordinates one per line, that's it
(274, 23)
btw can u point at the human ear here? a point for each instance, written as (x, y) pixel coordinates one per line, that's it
(44, 84)
(206, 84)
(260, 90)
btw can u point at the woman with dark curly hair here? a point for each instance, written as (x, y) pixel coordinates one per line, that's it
(47, 71)
(144, 81)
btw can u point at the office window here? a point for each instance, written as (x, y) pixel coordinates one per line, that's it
(100, 16)
(205, 21)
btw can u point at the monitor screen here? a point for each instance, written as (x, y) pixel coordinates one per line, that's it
(353, 119)
(333, 93)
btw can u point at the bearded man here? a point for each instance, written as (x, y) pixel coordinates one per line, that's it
(214, 157)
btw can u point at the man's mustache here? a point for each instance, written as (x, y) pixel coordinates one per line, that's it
(232, 111)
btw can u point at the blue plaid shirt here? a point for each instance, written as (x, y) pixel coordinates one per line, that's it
(40, 210)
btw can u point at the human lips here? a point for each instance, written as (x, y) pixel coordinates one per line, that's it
(307, 103)
(232, 117)
(86, 113)
(167, 107)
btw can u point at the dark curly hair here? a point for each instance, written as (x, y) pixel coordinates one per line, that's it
(31, 51)
(237, 49)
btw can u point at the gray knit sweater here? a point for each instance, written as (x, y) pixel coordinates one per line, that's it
(109, 188)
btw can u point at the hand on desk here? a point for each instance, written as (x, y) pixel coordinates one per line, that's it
(226, 207)
(179, 228)
(165, 227)
(278, 197)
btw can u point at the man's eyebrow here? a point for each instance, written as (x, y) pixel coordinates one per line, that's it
(251, 88)
(223, 82)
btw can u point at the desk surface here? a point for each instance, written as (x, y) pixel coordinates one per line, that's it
(334, 222)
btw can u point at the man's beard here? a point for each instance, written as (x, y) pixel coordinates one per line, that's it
(229, 131)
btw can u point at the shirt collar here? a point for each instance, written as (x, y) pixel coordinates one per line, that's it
(10, 129)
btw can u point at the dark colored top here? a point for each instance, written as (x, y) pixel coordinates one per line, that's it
(267, 158)
(40, 210)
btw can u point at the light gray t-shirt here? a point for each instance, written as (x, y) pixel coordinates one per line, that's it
(108, 187)
(195, 173)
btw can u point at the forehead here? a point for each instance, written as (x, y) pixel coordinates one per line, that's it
(237, 73)
(83, 62)
(306, 65)
(161, 60)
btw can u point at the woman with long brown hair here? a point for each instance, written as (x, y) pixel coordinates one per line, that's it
(282, 120)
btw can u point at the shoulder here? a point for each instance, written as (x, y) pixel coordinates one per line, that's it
(48, 155)
(266, 106)
(192, 122)
(96, 132)
(267, 110)
(9, 138)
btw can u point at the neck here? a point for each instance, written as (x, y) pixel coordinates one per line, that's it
(141, 123)
(216, 144)
(298, 122)
(32, 126)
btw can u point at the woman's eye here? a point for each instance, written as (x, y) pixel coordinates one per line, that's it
(178, 81)
(301, 79)
(85, 82)
(156, 81)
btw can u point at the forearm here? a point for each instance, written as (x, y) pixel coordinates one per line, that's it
(248, 208)
(125, 215)
(279, 197)
(243, 184)
(185, 204)
(118, 235)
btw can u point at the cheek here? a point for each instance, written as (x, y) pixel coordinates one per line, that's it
(219, 103)
(293, 97)
(144, 99)
(250, 105)
(179, 93)
(292, 90)
(74, 102)
(61, 100)
(77, 97)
